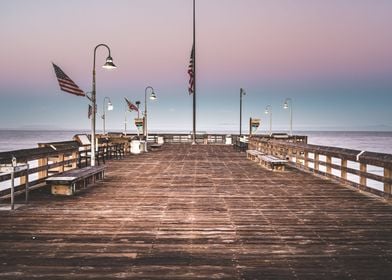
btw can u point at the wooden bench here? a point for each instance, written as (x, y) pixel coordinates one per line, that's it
(253, 154)
(272, 162)
(67, 183)
(155, 146)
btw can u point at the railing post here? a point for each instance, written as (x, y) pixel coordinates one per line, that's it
(61, 159)
(343, 171)
(362, 178)
(388, 175)
(316, 162)
(306, 159)
(24, 178)
(328, 162)
(75, 159)
(43, 173)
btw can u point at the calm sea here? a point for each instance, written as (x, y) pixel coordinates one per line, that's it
(365, 141)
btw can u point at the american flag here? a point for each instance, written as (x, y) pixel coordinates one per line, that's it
(131, 106)
(191, 72)
(90, 111)
(66, 84)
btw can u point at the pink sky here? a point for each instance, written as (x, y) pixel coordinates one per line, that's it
(240, 43)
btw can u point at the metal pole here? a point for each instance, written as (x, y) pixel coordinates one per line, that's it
(94, 105)
(152, 96)
(291, 117)
(286, 106)
(104, 116)
(240, 112)
(145, 113)
(242, 92)
(93, 100)
(27, 183)
(125, 120)
(12, 187)
(194, 75)
(268, 110)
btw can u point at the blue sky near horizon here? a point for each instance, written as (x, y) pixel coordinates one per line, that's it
(333, 58)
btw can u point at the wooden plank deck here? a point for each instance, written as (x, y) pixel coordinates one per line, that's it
(199, 212)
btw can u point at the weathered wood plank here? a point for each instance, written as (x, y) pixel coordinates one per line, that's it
(199, 212)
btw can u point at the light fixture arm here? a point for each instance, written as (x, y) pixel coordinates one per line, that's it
(94, 102)
(268, 110)
(95, 50)
(145, 108)
(286, 106)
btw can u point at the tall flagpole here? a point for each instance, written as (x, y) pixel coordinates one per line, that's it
(194, 76)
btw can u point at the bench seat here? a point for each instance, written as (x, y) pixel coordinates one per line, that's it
(253, 154)
(272, 162)
(67, 183)
(155, 146)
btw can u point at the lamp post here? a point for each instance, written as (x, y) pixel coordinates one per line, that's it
(268, 110)
(108, 65)
(110, 108)
(152, 97)
(125, 118)
(286, 106)
(242, 93)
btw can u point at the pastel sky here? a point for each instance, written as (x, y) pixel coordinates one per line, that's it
(333, 58)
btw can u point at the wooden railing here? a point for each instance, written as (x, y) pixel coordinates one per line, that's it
(368, 171)
(203, 138)
(41, 162)
(57, 157)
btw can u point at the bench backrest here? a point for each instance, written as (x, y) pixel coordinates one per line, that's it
(82, 139)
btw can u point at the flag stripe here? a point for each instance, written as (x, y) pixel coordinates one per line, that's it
(90, 111)
(191, 72)
(131, 106)
(65, 83)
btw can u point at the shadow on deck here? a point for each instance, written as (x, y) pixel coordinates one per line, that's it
(194, 212)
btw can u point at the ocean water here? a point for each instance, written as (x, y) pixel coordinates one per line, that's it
(26, 139)
(380, 142)
(365, 141)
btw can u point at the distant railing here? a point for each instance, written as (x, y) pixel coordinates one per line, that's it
(368, 171)
(202, 138)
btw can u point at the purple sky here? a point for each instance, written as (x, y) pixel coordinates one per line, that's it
(333, 58)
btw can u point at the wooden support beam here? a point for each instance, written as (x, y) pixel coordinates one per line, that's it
(362, 178)
(328, 162)
(306, 159)
(343, 170)
(316, 162)
(388, 175)
(43, 173)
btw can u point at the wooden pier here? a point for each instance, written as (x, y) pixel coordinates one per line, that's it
(199, 212)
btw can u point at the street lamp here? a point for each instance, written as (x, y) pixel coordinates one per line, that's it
(242, 93)
(286, 106)
(152, 97)
(268, 110)
(108, 65)
(109, 107)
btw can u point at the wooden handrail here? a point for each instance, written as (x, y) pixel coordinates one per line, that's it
(298, 153)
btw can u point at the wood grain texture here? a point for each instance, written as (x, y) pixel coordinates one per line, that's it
(199, 212)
